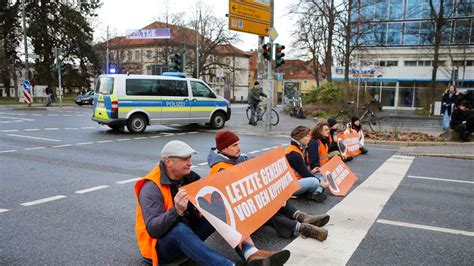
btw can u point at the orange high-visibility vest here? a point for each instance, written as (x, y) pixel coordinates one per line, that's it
(323, 152)
(218, 166)
(146, 243)
(293, 148)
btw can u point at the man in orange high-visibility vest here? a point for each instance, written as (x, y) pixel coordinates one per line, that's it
(168, 226)
(288, 221)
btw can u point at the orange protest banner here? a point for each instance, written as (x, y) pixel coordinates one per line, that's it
(241, 199)
(340, 177)
(351, 143)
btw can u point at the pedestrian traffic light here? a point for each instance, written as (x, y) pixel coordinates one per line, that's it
(267, 51)
(176, 62)
(279, 55)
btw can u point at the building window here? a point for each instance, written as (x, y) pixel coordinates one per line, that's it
(424, 63)
(148, 54)
(394, 33)
(381, 9)
(465, 8)
(159, 69)
(411, 33)
(458, 63)
(410, 63)
(366, 9)
(446, 33)
(137, 56)
(470, 63)
(129, 56)
(392, 63)
(426, 33)
(462, 31)
(395, 9)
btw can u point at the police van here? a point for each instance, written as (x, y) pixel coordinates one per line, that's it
(136, 101)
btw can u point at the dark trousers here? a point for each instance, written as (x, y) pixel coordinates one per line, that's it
(253, 110)
(464, 130)
(283, 221)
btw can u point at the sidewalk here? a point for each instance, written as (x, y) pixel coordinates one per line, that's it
(462, 151)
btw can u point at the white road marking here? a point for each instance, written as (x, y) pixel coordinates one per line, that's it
(30, 137)
(193, 132)
(266, 149)
(32, 129)
(53, 115)
(194, 166)
(91, 189)
(128, 181)
(252, 152)
(122, 139)
(71, 128)
(202, 163)
(104, 141)
(141, 138)
(36, 115)
(31, 203)
(426, 227)
(3, 210)
(87, 127)
(7, 151)
(67, 115)
(35, 148)
(154, 137)
(350, 223)
(168, 134)
(180, 134)
(440, 179)
(52, 128)
(61, 146)
(84, 143)
(9, 130)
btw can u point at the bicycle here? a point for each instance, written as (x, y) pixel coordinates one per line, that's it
(297, 108)
(260, 114)
(367, 117)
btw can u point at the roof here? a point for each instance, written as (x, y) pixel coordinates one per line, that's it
(296, 69)
(179, 36)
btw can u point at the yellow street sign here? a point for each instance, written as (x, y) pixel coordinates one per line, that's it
(250, 12)
(259, 3)
(249, 26)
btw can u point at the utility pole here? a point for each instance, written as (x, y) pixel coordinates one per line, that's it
(25, 42)
(107, 54)
(198, 22)
(57, 53)
(268, 122)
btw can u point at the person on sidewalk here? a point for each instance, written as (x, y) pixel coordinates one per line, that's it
(49, 95)
(356, 126)
(167, 226)
(447, 103)
(312, 187)
(462, 120)
(288, 221)
(254, 99)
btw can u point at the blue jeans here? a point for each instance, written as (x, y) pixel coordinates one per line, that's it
(446, 120)
(182, 240)
(310, 185)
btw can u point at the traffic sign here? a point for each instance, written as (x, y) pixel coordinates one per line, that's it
(259, 3)
(249, 12)
(249, 26)
(26, 85)
(273, 34)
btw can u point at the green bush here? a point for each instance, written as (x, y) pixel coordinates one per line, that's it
(330, 92)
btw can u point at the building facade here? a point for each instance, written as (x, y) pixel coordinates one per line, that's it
(393, 58)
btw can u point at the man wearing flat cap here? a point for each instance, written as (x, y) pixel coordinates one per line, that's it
(167, 226)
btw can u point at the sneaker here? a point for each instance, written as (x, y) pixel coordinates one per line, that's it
(318, 197)
(264, 257)
(317, 220)
(309, 230)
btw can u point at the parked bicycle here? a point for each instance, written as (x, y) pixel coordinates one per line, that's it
(296, 105)
(260, 114)
(365, 114)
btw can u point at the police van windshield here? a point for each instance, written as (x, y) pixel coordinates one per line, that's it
(104, 85)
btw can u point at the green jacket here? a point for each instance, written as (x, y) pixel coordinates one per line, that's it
(254, 95)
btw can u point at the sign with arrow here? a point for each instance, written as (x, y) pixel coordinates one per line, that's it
(249, 16)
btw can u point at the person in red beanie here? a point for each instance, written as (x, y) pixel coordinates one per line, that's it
(288, 221)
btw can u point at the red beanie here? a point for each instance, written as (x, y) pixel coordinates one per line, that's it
(225, 138)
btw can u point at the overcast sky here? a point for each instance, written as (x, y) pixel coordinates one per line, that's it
(121, 15)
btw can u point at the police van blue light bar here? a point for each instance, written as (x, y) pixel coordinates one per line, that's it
(174, 74)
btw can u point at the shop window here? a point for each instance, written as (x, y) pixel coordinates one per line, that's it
(410, 63)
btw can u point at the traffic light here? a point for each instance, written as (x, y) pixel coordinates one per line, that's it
(279, 55)
(267, 51)
(177, 61)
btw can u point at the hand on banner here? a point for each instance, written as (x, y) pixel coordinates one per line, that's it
(315, 170)
(248, 240)
(181, 202)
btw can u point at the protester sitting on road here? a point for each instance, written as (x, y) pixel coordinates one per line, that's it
(356, 126)
(462, 120)
(332, 141)
(167, 226)
(288, 221)
(317, 153)
(312, 187)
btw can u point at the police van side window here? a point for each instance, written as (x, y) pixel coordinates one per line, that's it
(200, 90)
(172, 88)
(148, 87)
(104, 85)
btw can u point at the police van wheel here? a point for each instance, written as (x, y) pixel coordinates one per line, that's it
(217, 121)
(136, 124)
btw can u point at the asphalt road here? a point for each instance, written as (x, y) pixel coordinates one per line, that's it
(66, 193)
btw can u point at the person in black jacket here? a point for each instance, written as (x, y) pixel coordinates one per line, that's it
(462, 120)
(449, 99)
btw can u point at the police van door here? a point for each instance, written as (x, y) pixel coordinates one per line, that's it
(176, 103)
(203, 102)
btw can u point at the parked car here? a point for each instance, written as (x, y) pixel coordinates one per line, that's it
(87, 98)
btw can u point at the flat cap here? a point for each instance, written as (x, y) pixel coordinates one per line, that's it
(176, 148)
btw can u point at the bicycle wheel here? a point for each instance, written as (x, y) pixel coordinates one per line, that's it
(374, 122)
(249, 113)
(275, 119)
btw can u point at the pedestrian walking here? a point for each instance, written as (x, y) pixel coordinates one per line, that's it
(447, 103)
(49, 95)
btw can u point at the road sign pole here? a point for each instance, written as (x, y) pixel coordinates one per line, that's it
(268, 122)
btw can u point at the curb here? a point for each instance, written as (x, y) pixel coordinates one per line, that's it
(418, 143)
(450, 156)
(410, 117)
